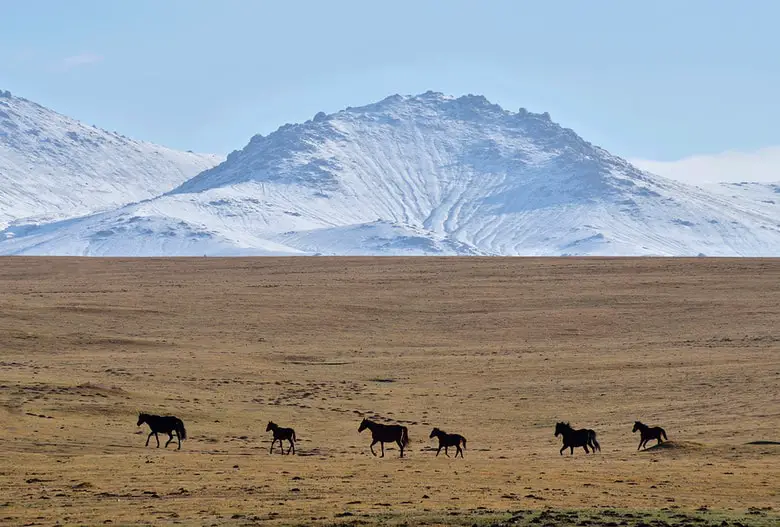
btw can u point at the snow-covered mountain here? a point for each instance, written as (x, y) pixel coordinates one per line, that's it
(426, 174)
(53, 167)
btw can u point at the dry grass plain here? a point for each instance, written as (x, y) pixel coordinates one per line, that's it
(497, 349)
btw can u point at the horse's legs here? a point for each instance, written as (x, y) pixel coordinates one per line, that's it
(572, 451)
(458, 450)
(400, 446)
(585, 446)
(158, 439)
(659, 439)
(372, 446)
(272, 446)
(382, 444)
(148, 438)
(563, 448)
(292, 447)
(437, 451)
(178, 438)
(447, 451)
(170, 439)
(641, 442)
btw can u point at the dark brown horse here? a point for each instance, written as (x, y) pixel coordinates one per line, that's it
(447, 440)
(386, 434)
(281, 434)
(572, 438)
(166, 424)
(648, 433)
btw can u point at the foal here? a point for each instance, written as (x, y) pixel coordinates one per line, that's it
(286, 434)
(648, 433)
(572, 438)
(166, 424)
(447, 440)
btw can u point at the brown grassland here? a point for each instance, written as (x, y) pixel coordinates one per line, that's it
(497, 349)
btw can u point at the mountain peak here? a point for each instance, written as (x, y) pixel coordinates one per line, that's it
(469, 130)
(439, 99)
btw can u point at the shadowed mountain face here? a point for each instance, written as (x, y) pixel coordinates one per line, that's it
(428, 174)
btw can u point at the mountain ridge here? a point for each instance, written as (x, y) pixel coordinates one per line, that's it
(422, 174)
(54, 167)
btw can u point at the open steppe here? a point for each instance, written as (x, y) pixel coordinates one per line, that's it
(497, 349)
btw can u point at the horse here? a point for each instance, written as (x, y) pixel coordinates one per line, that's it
(447, 440)
(576, 438)
(280, 434)
(648, 433)
(386, 434)
(166, 424)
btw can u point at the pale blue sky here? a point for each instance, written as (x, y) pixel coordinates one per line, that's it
(654, 79)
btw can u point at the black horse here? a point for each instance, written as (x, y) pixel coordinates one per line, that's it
(281, 434)
(577, 438)
(447, 440)
(648, 433)
(166, 424)
(386, 434)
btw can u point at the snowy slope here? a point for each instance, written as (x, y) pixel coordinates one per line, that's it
(752, 195)
(54, 167)
(428, 174)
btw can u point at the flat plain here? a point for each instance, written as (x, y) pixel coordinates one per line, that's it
(497, 349)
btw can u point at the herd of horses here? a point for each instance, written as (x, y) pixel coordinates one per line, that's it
(381, 433)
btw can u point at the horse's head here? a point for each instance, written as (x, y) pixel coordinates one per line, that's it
(141, 419)
(434, 433)
(363, 425)
(560, 428)
(637, 424)
(270, 426)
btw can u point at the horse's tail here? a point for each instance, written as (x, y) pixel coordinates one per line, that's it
(404, 436)
(180, 430)
(293, 436)
(596, 445)
(463, 441)
(663, 433)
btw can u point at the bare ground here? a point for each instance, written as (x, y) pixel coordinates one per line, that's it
(496, 349)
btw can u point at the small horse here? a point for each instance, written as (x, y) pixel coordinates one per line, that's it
(577, 438)
(447, 440)
(386, 434)
(166, 424)
(648, 433)
(280, 434)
